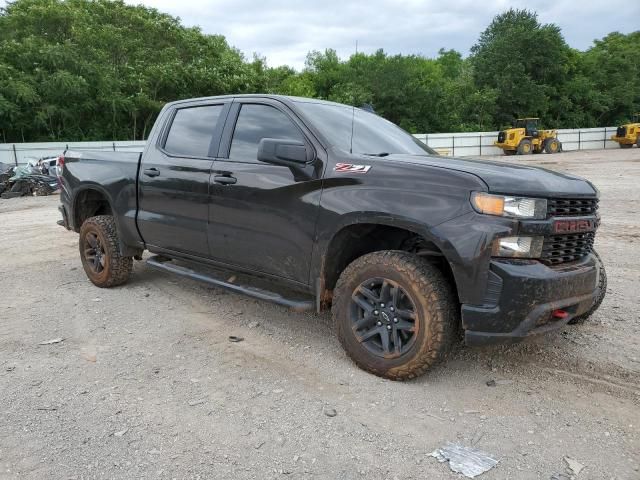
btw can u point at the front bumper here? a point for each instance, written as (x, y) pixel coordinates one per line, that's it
(524, 294)
(627, 140)
(505, 146)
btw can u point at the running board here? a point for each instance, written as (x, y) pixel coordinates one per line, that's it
(163, 263)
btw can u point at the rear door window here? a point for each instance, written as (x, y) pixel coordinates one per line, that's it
(191, 131)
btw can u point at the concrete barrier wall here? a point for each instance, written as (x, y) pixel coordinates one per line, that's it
(458, 144)
(20, 153)
(481, 143)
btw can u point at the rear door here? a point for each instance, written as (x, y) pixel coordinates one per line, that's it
(263, 216)
(174, 179)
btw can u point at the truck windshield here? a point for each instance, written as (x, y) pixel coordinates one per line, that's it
(372, 134)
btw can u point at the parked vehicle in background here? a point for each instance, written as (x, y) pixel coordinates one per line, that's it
(29, 179)
(351, 213)
(525, 138)
(628, 135)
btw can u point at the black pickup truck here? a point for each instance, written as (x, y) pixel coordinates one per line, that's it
(342, 209)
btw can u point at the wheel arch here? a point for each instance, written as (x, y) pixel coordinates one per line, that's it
(357, 238)
(92, 199)
(88, 201)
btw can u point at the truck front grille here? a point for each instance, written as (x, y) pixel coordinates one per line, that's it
(575, 207)
(558, 249)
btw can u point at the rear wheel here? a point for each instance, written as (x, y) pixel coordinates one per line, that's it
(602, 285)
(100, 254)
(525, 147)
(394, 313)
(552, 145)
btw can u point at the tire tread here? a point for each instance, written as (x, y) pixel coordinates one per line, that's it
(441, 308)
(120, 266)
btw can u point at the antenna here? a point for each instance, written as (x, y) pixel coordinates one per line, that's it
(353, 110)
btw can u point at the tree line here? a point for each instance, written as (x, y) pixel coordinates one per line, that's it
(102, 70)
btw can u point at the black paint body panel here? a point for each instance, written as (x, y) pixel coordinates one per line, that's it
(278, 222)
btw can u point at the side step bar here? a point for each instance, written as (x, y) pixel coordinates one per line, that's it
(163, 263)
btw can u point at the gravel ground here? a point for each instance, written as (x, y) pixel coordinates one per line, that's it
(145, 383)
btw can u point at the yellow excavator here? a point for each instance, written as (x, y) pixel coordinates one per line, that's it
(628, 134)
(525, 138)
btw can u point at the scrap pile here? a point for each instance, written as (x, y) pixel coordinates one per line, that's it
(25, 180)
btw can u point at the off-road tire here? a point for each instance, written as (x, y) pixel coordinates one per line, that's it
(549, 149)
(602, 284)
(437, 313)
(116, 268)
(525, 147)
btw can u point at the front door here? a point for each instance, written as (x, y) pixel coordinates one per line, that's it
(174, 179)
(262, 216)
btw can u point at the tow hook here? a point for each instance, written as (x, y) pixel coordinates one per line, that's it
(559, 314)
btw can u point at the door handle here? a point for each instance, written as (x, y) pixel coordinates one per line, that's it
(151, 172)
(225, 179)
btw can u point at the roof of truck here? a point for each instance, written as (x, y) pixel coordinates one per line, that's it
(285, 98)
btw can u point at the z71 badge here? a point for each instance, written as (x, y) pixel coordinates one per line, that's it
(351, 168)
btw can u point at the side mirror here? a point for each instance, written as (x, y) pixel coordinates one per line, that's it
(283, 152)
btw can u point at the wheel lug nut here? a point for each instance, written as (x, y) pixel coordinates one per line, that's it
(388, 327)
(395, 319)
(382, 305)
(376, 312)
(392, 309)
(379, 324)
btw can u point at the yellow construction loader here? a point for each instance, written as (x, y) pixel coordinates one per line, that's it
(525, 138)
(628, 134)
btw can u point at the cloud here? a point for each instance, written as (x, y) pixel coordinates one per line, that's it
(285, 31)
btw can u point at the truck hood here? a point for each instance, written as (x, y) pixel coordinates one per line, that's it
(509, 178)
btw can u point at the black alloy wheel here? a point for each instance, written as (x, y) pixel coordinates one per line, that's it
(94, 253)
(383, 317)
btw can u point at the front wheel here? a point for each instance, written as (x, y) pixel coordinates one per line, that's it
(100, 253)
(525, 147)
(552, 146)
(395, 314)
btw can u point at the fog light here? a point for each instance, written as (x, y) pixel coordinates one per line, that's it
(518, 247)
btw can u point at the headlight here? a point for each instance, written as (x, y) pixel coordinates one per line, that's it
(507, 206)
(518, 247)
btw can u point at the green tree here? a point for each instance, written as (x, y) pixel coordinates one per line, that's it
(525, 62)
(101, 69)
(612, 71)
(81, 69)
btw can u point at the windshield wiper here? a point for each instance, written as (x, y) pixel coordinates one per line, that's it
(381, 154)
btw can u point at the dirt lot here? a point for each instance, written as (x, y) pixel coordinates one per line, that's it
(146, 384)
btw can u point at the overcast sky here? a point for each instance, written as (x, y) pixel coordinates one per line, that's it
(284, 31)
